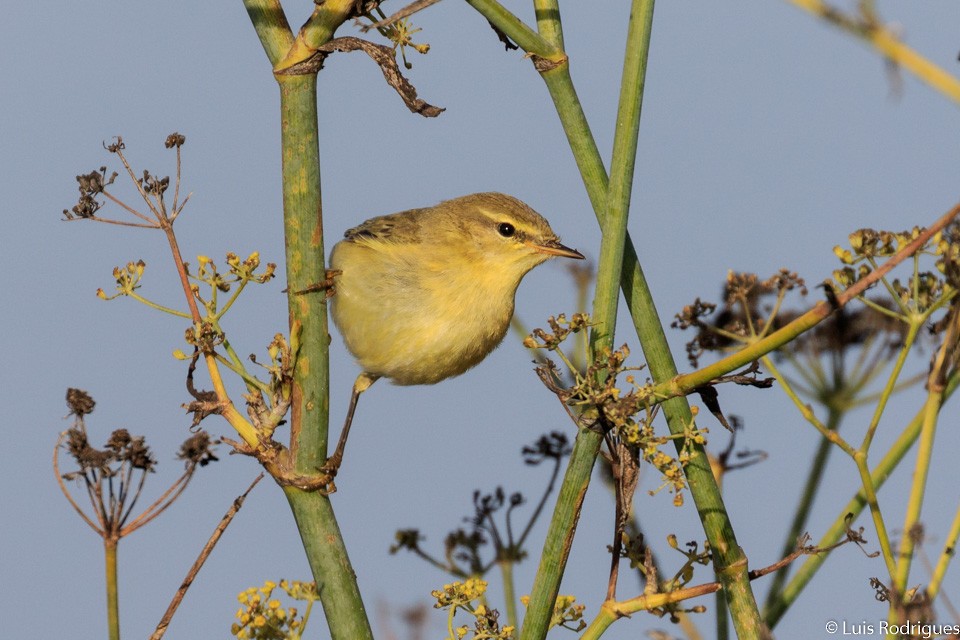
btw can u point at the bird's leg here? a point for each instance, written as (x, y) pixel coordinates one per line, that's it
(364, 381)
(327, 285)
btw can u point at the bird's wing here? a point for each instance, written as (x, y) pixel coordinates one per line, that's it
(387, 228)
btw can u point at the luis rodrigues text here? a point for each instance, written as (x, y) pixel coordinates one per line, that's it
(883, 628)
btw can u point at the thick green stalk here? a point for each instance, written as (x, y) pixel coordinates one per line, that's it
(327, 554)
(303, 228)
(309, 423)
(113, 600)
(774, 610)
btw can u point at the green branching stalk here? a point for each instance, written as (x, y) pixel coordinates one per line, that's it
(936, 387)
(273, 30)
(829, 434)
(775, 609)
(327, 554)
(612, 211)
(731, 562)
(514, 28)
(303, 227)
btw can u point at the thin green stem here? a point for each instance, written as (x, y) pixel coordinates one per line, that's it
(701, 481)
(869, 489)
(250, 380)
(806, 410)
(303, 229)
(613, 222)
(722, 618)
(158, 307)
(849, 513)
(611, 210)
(949, 551)
(891, 383)
(917, 490)
(514, 28)
(113, 604)
(233, 298)
(509, 591)
(807, 496)
(309, 421)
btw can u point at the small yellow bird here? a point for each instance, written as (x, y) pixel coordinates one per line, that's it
(425, 294)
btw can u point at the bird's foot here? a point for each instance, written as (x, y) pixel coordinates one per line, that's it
(327, 285)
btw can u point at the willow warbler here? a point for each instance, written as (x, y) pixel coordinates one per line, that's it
(425, 294)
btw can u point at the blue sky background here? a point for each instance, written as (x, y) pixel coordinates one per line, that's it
(766, 138)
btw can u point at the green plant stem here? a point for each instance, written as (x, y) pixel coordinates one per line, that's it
(731, 563)
(327, 555)
(775, 609)
(113, 603)
(613, 221)
(514, 28)
(303, 229)
(272, 28)
(888, 390)
(612, 610)
(949, 551)
(309, 420)
(807, 496)
(560, 534)
(509, 592)
(612, 211)
(918, 487)
(722, 621)
(876, 514)
(548, 21)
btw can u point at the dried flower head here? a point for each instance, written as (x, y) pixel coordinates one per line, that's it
(80, 402)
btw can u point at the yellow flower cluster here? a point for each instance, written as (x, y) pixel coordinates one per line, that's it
(262, 617)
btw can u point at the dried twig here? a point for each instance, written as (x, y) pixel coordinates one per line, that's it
(381, 54)
(204, 554)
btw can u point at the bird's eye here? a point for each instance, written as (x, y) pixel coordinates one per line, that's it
(506, 229)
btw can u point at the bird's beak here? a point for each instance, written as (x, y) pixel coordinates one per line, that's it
(554, 248)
